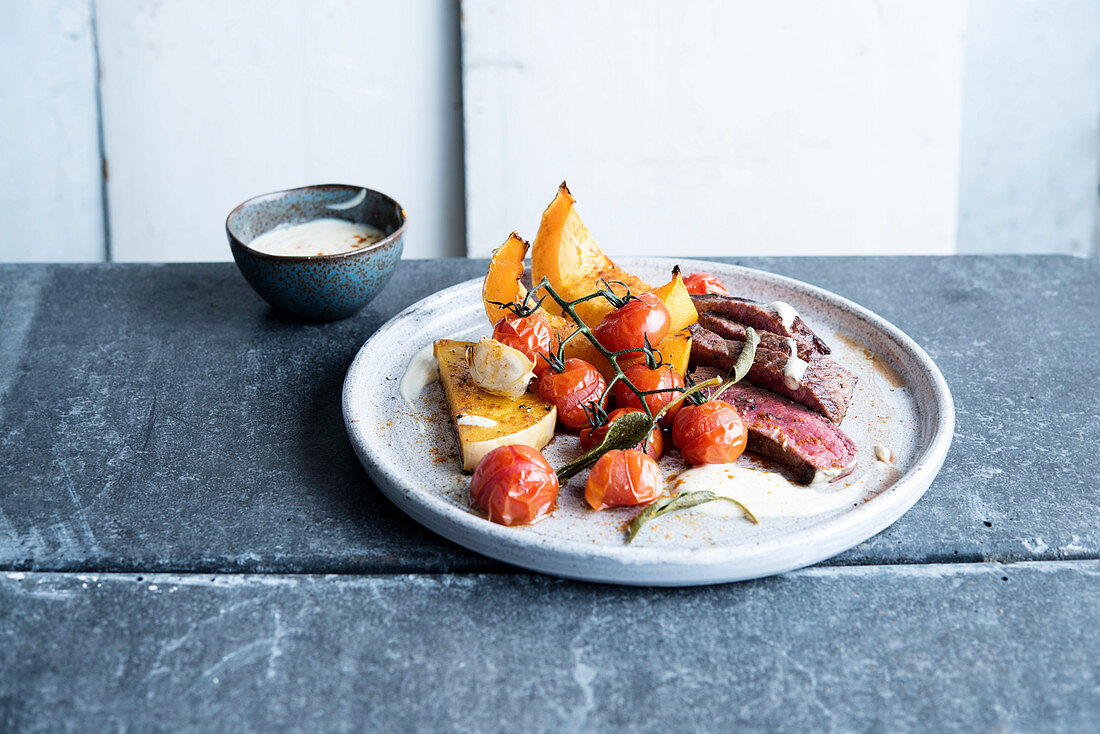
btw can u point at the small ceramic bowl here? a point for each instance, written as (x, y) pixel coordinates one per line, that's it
(318, 287)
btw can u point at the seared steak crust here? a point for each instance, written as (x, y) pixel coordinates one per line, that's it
(761, 317)
(824, 386)
(799, 439)
(727, 328)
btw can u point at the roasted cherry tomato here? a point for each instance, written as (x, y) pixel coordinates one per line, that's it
(514, 484)
(643, 378)
(699, 284)
(653, 446)
(531, 335)
(711, 433)
(628, 326)
(623, 479)
(579, 384)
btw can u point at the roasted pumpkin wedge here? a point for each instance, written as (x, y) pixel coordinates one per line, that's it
(483, 421)
(680, 306)
(502, 285)
(569, 258)
(502, 282)
(675, 351)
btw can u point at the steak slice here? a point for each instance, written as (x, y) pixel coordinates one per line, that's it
(727, 328)
(820, 383)
(772, 317)
(710, 350)
(814, 449)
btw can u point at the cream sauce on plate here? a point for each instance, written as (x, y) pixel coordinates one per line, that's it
(795, 367)
(763, 493)
(422, 371)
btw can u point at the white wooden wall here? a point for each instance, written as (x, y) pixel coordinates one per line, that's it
(207, 102)
(716, 127)
(954, 125)
(51, 206)
(1030, 164)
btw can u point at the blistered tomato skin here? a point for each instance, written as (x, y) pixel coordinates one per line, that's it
(645, 379)
(579, 384)
(628, 326)
(653, 446)
(514, 485)
(531, 335)
(623, 479)
(711, 433)
(699, 284)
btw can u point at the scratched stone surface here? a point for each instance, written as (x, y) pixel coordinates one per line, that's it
(162, 418)
(964, 647)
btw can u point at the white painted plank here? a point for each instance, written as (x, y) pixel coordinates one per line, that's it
(51, 206)
(207, 103)
(715, 127)
(1031, 127)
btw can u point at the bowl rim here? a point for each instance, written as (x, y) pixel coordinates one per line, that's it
(388, 239)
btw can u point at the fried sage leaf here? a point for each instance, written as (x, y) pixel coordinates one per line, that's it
(748, 354)
(682, 501)
(627, 431)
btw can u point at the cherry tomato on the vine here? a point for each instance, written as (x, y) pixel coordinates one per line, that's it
(628, 326)
(699, 284)
(531, 335)
(514, 484)
(711, 433)
(623, 479)
(644, 378)
(577, 385)
(653, 446)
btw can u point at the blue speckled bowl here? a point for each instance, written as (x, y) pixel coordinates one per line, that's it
(318, 287)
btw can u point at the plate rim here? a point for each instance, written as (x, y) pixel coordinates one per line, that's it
(662, 566)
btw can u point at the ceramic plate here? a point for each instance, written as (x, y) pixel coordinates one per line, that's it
(901, 402)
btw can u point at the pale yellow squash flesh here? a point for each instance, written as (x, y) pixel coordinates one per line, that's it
(525, 420)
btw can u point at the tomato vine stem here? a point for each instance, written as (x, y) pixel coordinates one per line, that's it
(570, 308)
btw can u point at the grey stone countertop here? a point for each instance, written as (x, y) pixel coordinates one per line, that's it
(188, 542)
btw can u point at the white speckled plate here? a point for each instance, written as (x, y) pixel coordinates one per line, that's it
(901, 401)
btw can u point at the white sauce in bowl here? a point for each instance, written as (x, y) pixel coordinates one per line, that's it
(318, 237)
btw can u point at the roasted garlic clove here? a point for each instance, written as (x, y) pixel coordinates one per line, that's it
(499, 369)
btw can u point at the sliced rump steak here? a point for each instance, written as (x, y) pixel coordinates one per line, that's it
(777, 318)
(819, 383)
(814, 449)
(729, 329)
